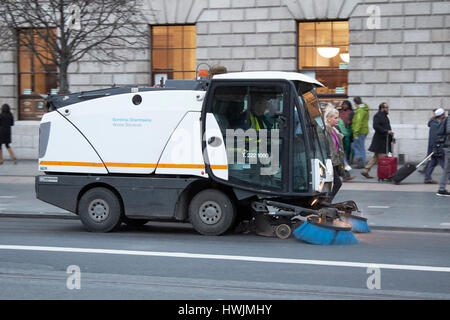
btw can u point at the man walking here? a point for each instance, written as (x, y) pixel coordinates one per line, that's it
(443, 141)
(437, 157)
(382, 136)
(360, 129)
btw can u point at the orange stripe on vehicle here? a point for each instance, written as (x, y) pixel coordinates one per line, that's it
(71, 164)
(219, 167)
(131, 165)
(181, 166)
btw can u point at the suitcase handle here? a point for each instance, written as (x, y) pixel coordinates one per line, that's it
(387, 144)
(424, 160)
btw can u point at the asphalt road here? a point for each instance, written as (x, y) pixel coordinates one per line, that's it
(171, 261)
(385, 207)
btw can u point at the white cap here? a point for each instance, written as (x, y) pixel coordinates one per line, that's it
(439, 112)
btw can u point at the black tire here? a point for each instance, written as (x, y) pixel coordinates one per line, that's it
(211, 212)
(100, 210)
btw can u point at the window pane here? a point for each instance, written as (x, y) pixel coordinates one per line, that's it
(25, 82)
(190, 36)
(340, 32)
(189, 59)
(175, 35)
(189, 75)
(255, 147)
(324, 34)
(159, 37)
(306, 33)
(39, 83)
(25, 58)
(176, 59)
(178, 75)
(159, 59)
(335, 81)
(299, 155)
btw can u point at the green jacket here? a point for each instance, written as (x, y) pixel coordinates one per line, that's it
(360, 123)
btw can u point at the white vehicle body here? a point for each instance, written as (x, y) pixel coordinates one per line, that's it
(150, 144)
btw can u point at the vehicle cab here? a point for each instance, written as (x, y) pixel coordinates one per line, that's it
(270, 129)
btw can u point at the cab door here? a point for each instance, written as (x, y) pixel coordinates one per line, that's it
(247, 121)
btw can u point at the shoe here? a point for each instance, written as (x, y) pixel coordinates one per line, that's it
(366, 175)
(348, 178)
(429, 181)
(443, 193)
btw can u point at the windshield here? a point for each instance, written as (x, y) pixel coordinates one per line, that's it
(319, 145)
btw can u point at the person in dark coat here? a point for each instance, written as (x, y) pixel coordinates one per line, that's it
(6, 122)
(438, 157)
(383, 134)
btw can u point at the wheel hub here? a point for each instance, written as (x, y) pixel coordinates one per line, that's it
(98, 210)
(210, 212)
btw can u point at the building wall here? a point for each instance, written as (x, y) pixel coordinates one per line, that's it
(401, 58)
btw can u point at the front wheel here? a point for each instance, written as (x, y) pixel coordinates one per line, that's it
(100, 210)
(211, 212)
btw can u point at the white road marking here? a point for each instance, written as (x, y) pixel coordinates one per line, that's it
(379, 207)
(8, 197)
(228, 257)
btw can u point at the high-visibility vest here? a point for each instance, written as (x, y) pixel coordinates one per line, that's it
(254, 123)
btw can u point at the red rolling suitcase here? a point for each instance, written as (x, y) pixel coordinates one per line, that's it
(387, 166)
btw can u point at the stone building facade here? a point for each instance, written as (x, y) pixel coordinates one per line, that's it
(399, 54)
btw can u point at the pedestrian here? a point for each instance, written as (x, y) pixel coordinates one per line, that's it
(443, 141)
(6, 122)
(383, 135)
(336, 148)
(346, 132)
(438, 157)
(360, 129)
(346, 114)
(430, 140)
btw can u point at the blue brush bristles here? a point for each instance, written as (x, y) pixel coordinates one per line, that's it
(324, 236)
(358, 225)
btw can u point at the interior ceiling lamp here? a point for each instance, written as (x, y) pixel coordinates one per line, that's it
(345, 57)
(328, 52)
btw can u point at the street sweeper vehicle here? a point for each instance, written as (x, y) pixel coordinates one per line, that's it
(240, 147)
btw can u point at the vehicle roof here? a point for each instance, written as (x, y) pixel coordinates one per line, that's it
(293, 76)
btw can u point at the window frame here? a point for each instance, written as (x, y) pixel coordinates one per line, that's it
(34, 99)
(330, 69)
(285, 162)
(167, 71)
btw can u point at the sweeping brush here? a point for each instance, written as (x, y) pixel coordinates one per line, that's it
(319, 231)
(359, 224)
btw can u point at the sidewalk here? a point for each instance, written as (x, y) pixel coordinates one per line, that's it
(379, 201)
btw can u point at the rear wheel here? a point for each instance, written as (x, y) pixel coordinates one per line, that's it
(211, 212)
(99, 210)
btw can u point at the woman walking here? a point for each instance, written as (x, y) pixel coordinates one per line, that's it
(336, 149)
(345, 126)
(6, 122)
